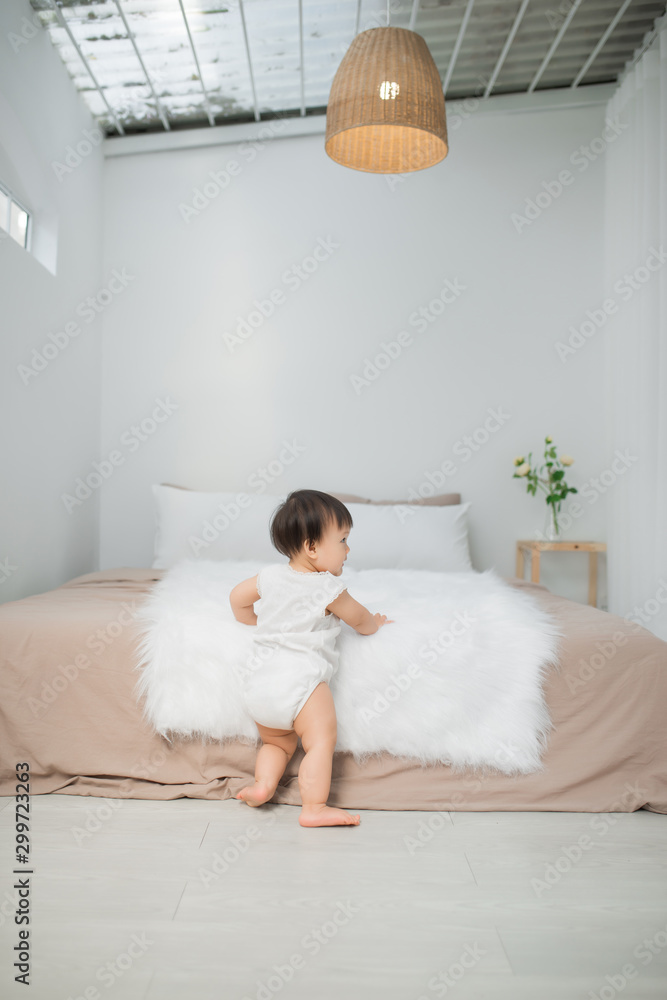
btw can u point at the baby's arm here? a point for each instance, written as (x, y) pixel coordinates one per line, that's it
(242, 598)
(356, 615)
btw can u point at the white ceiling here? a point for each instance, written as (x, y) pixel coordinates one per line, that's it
(147, 65)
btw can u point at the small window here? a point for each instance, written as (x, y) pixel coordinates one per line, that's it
(14, 218)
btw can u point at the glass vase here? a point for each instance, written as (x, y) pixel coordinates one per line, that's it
(552, 528)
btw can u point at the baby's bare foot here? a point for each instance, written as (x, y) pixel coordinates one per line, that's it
(257, 794)
(326, 816)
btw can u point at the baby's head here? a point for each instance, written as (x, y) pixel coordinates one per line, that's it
(313, 526)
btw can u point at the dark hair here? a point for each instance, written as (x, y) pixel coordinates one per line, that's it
(304, 516)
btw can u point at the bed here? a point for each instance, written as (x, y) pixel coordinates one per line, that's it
(69, 708)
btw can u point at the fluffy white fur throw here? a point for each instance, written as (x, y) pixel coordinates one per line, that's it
(456, 679)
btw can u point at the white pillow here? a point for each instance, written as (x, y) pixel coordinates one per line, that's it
(192, 525)
(409, 536)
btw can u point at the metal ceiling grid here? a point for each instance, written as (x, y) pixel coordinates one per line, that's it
(146, 65)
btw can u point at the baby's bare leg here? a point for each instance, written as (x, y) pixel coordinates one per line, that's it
(277, 749)
(316, 725)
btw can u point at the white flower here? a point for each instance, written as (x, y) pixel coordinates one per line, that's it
(519, 460)
(523, 470)
(566, 460)
(548, 440)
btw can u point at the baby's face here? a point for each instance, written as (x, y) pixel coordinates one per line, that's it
(332, 550)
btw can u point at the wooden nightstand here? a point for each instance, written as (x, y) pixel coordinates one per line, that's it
(537, 548)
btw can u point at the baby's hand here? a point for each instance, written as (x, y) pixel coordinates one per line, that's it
(381, 620)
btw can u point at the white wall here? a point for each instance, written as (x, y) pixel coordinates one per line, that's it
(397, 243)
(50, 419)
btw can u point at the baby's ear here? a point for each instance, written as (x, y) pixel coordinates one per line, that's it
(309, 547)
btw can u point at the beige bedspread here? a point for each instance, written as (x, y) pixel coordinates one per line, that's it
(68, 708)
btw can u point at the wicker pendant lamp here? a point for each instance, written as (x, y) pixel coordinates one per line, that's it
(386, 111)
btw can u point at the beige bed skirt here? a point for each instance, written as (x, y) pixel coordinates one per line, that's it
(68, 709)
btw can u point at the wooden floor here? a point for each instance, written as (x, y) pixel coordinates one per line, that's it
(148, 900)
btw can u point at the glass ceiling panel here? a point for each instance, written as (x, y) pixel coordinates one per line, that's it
(160, 35)
(273, 34)
(328, 30)
(222, 85)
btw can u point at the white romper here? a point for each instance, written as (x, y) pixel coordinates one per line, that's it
(294, 643)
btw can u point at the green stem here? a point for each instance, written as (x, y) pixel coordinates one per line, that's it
(546, 486)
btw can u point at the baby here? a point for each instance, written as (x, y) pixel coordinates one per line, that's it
(287, 692)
